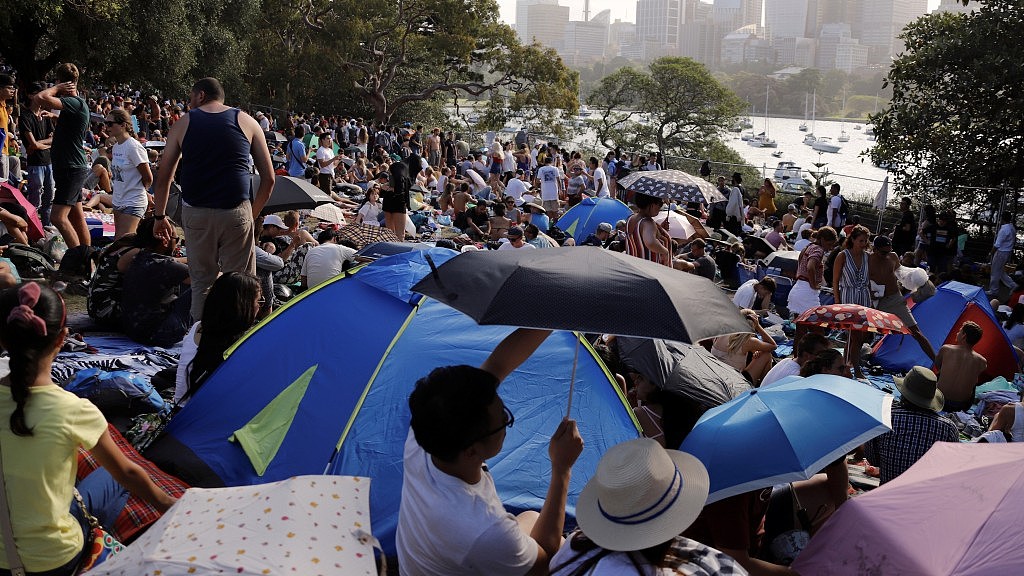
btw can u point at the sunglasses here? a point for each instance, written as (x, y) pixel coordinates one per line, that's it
(111, 122)
(510, 419)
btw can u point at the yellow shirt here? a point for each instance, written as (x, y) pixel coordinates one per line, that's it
(40, 472)
(5, 122)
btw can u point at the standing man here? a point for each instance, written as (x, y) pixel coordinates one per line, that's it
(1001, 251)
(601, 188)
(10, 164)
(550, 187)
(37, 134)
(904, 234)
(836, 214)
(214, 142)
(70, 168)
(434, 148)
(734, 218)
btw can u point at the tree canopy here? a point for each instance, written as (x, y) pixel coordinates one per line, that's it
(957, 110)
(373, 56)
(675, 106)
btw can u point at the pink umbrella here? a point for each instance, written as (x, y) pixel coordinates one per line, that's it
(956, 511)
(35, 226)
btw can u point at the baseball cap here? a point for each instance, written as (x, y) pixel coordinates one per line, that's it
(515, 231)
(604, 227)
(274, 220)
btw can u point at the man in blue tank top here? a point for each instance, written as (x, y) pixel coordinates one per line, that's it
(214, 143)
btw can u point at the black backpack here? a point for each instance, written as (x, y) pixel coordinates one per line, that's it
(844, 208)
(31, 262)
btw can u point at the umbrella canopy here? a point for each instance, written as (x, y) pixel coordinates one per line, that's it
(672, 184)
(596, 291)
(330, 213)
(853, 317)
(276, 137)
(363, 234)
(684, 369)
(306, 525)
(786, 432)
(582, 219)
(952, 512)
(757, 247)
(680, 225)
(155, 144)
(291, 193)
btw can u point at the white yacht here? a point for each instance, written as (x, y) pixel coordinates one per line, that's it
(810, 139)
(825, 144)
(788, 170)
(844, 136)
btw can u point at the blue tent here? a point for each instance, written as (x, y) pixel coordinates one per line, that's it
(582, 219)
(940, 318)
(339, 363)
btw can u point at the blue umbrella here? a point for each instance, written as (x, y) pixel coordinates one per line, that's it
(582, 219)
(785, 432)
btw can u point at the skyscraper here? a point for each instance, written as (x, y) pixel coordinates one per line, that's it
(657, 27)
(522, 19)
(587, 41)
(791, 18)
(738, 13)
(881, 23)
(545, 23)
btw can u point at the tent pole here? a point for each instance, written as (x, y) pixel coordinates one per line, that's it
(572, 378)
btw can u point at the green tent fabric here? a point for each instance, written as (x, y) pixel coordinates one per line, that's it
(262, 436)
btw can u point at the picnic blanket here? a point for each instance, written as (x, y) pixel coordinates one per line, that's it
(137, 514)
(114, 353)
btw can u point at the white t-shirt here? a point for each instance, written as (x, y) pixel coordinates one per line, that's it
(325, 154)
(325, 261)
(447, 527)
(801, 244)
(601, 183)
(508, 163)
(509, 246)
(371, 213)
(786, 367)
(189, 347)
(744, 297)
(548, 176)
(516, 188)
(834, 203)
(125, 178)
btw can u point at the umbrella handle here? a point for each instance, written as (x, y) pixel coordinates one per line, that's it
(801, 512)
(572, 377)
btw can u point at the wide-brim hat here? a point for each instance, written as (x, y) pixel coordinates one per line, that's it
(641, 495)
(532, 205)
(919, 388)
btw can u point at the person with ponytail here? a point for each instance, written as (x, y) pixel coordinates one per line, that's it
(131, 175)
(230, 310)
(41, 428)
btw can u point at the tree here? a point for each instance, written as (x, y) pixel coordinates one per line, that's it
(956, 117)
(675, 106)
(461, 43)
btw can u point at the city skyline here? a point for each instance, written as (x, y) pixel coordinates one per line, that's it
(620, 10)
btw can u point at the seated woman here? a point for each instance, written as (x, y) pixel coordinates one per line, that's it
(100, 184)
(230, 310)
(371, 212)
(499, 224)
(43, 428)
(749, 354)
(157, 297)
(283, 238)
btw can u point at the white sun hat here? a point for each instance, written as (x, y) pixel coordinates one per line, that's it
(641, 495)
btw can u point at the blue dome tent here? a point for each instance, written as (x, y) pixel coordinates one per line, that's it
(323, 385)
(582, 219)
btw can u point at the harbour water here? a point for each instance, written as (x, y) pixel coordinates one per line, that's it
(860, 180)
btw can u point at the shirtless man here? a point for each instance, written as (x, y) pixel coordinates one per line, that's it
(882, 265)
(959, 367)
(434, 148)
(462, 198)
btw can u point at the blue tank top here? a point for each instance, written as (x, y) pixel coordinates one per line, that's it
(215, 161)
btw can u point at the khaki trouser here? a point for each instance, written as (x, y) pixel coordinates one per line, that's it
(216, 241)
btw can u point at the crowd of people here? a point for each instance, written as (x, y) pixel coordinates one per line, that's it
(643, 511)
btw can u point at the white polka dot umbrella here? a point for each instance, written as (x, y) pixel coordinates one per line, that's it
(672, 185)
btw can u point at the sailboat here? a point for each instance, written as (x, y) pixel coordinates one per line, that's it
(844, 136)
(809, 139)
(762, 140)
(803, 125)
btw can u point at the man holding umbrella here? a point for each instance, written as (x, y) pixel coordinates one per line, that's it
(451, 520)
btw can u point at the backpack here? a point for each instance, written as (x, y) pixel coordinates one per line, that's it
(78, 262)
(383, 139)
(31, 262)
(844, 208)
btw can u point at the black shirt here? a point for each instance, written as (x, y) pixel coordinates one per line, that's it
(41, 129)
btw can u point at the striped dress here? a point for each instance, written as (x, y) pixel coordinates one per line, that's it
(853, 281)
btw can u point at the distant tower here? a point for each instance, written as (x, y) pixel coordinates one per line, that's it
(586, 10)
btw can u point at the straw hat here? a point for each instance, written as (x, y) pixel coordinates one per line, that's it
(641, 495)
(918, 388)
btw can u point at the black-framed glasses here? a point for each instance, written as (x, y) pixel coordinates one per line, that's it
(111, 122)
(510, 419)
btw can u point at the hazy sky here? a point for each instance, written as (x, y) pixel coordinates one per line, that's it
(624, 10)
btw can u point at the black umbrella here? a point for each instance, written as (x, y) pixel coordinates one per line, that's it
(785, 260)
(586, 290)
(291, 194)
(756, 247)
(672, 184)
(684, 369)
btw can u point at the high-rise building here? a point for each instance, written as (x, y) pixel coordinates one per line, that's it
(546, 24)
(746, 44)
(621, 35)
(738, 13)
(522, 21)
(831, 36)
(586, 41)
(956, 6)
(882, 21)
(794, 51)
(657, 27)
(791, 18)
